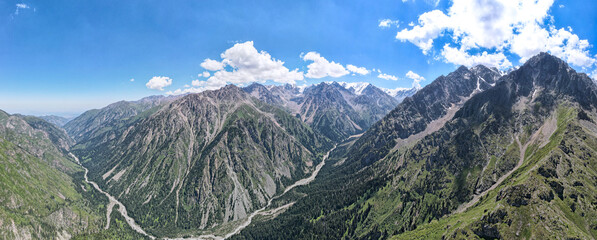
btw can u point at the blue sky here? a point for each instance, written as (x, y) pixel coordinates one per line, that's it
(67, 56)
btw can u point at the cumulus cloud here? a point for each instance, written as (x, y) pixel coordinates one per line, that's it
(246, 64)
(199, 86)
(387, 77)
(461, 57)
(212, 65)
(159, 83)
(416, 79)
(490, 28)
(321, 67)
(386, 23)
(358, 70)
(431, 25)
(204, 74)
(562, 43)
(250, 65)
(132, 80)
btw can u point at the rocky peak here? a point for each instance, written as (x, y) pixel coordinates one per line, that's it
(255, 86)
(264, 93)
(372, 90)
(488, 75)
(550, 78)
(228, 93)
(461, 70)
(323, 88)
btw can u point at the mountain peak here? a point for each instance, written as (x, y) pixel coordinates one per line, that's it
(462, 68)
(546, 61)
(228, 92)
(255, 85)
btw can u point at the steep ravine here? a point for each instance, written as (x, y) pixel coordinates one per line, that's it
(113, 201)
(262, 211)
(131, 222)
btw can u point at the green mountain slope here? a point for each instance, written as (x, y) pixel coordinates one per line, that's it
(512, 162)
(202, 160)
(40, 198)
(329, 206)
(95, 122)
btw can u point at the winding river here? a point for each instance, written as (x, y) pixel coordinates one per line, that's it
(262, 211)
(131, 222)
(121, 208)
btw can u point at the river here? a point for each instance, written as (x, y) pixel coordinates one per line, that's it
(131, 222)
(121, 208)
(262, 211)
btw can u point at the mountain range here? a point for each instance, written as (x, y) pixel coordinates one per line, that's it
(475, 154)
(337, 110)
(512, 158)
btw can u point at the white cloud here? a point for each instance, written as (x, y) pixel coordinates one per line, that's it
(132, 80)
(386, 23)
(562, 43)
(199, 86)
(461, 57)
(355, 69)
(159, 83)
(20, 6)
(321, 67)
(387, 77)
(247, 65)
(522, 27)
(431, 25)
(212, 65)
(205, 74)
(416, 79)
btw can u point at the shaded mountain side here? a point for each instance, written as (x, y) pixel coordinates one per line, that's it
(487, 141)
(511, 159)
(94, 122)
(328, 207)
(550, 196)
(41, 195)
(553, 108)
(202, 160)
(331, 108)
(415, 114)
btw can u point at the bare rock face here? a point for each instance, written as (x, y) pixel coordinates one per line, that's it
(415, 113)
(330, 108)
(90, 123)
(202, 160)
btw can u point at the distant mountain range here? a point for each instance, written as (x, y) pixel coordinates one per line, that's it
(337, 110)
(57, 120)
(476, 154)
